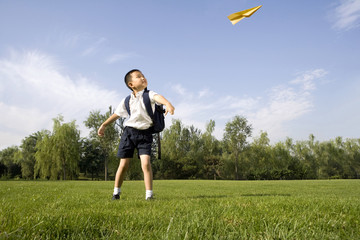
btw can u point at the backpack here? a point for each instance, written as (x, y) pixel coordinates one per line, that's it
(157, 116)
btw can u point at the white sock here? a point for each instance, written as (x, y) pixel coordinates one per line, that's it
(117, 190)
(149, 194)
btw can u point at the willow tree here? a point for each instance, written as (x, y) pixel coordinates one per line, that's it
(58, 153)
(43, 159)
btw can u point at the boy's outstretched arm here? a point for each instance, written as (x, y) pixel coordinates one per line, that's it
(161, 100)
(111, 119)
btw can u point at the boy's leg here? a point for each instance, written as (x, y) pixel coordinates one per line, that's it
(125, 153)
(148, 174)
(120, 174)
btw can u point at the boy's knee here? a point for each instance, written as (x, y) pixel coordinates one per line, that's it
(146, 166)
(124, 164)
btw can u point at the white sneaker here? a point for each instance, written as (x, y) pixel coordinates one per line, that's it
(149, 198)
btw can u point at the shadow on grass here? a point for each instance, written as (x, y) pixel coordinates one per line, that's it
(242, 195)
(208, 196)
(266, 195)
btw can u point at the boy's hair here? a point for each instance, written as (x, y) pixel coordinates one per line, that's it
(127, 77)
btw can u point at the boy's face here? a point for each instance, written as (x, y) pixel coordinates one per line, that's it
(138, 81)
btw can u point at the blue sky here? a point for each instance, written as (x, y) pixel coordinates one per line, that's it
(292, 69)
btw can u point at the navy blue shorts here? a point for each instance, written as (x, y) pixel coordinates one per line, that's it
(133, 138)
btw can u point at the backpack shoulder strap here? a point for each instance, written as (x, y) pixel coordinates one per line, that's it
(147, 103)
(127, 105)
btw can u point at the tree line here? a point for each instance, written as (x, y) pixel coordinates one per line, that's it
(186, 153)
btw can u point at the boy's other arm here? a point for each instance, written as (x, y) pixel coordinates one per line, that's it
(111, 119)
(161, 100)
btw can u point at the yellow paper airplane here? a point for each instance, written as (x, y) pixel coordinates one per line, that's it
(236, 17)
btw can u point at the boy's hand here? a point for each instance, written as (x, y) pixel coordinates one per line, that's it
(111, 119)
(161, 100)
(101, 131)
(169, 109)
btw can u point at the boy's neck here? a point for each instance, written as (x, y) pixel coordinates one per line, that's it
(136, 91)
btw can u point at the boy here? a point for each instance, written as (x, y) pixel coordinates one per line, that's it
(136, 133)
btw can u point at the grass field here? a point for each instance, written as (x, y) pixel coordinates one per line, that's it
(322, 209)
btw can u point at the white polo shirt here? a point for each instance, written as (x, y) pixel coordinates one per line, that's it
(139, 118)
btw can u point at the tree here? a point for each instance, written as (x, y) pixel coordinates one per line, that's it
(211, 152)
(311, 164)
(168, 167)
(112, 134)
(58, 153)
(26, 156)
(91, 160)
(353, 152)
(9, 166)
(195, 157)
(181, 152)
(43, 159)
(235, 139)
(259, 157)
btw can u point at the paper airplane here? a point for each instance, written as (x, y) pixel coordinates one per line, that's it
(236, 17)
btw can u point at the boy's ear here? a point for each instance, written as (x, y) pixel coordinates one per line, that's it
(130, 85)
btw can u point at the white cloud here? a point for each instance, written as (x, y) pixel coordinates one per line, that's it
(119, 57)
(94, 47)
(285, 104)
(71, 40)
(307, 79)
(204, 92)
(179, 89)
(34, 90)
(347, 15)
(268, 113)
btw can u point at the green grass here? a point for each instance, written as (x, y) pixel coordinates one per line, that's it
(327, 209)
